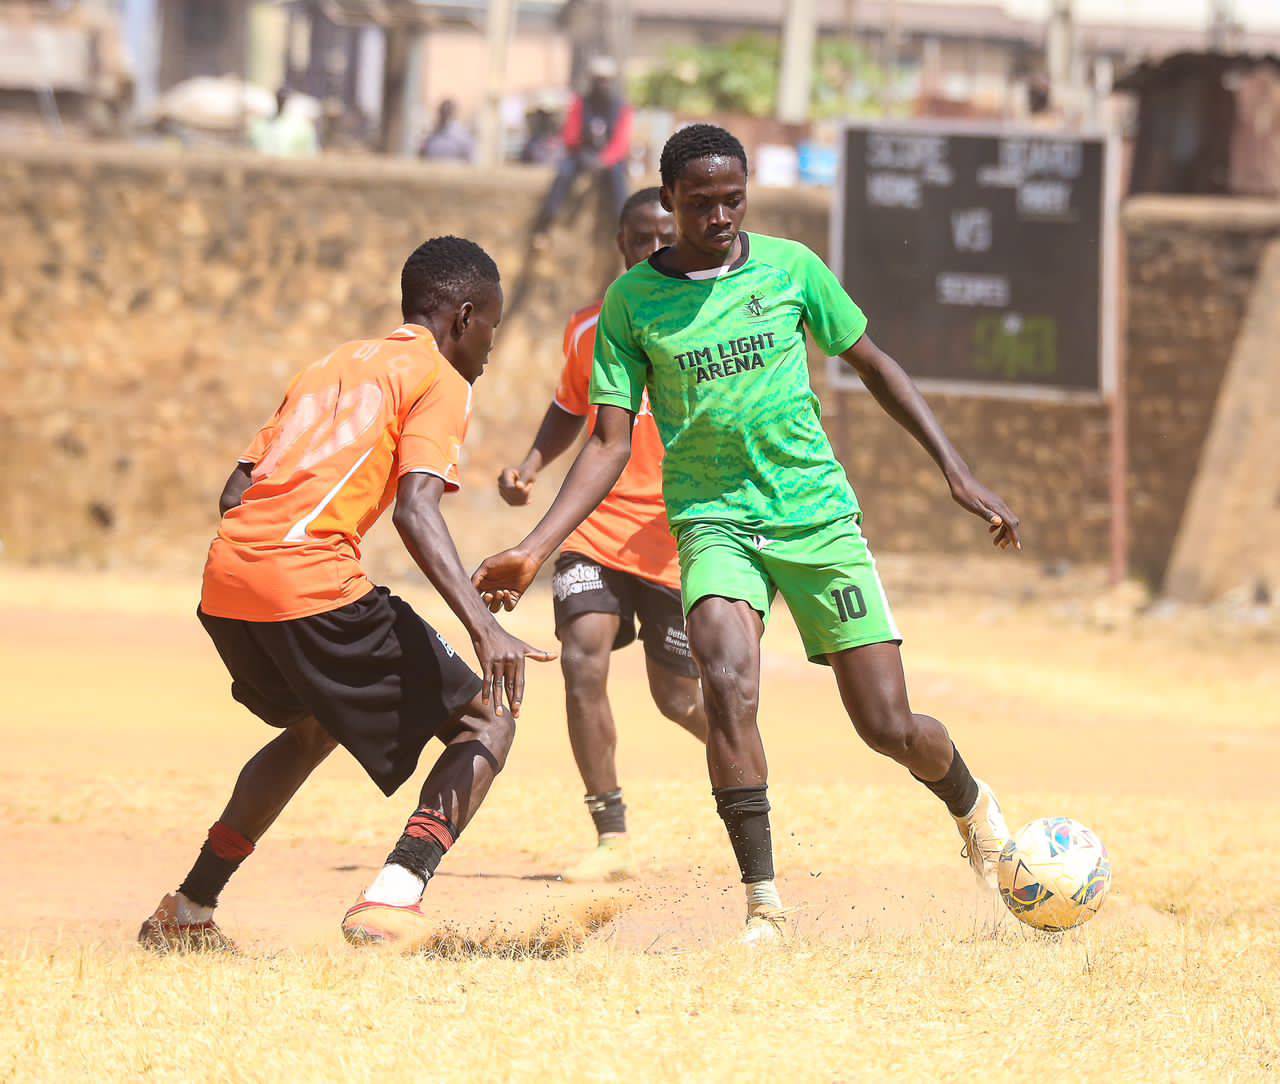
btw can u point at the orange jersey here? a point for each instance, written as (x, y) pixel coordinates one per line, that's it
(629, 531)
(326, 466)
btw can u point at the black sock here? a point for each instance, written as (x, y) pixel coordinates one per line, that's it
(957, 789)
(426, 839)
(608, 811)
(745, 812)
(219, 858)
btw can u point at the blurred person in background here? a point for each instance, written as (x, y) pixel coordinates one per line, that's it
(450, 139)
(289, 134)
(542, 134)
(597, 140)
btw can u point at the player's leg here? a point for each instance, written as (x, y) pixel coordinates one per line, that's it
(830, 582)
(679, 697)
(728, 595)
(477, 743)
(874, 691)
(184, 918)
(587, 640)
(669, 664)
(268, 780)
(594, 616)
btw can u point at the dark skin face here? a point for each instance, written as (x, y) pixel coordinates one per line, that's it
(465, 334)
(646, 229)
(709, 202)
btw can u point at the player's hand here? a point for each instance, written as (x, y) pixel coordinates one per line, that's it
(503, 578)
(502, 657)
(1002, 524)
(515, 486)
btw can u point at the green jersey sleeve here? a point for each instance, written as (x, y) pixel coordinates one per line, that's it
(830, 314)
(621, 368)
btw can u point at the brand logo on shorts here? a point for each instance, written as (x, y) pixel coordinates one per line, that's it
(676, 642)
(448, 648)
(575, 580)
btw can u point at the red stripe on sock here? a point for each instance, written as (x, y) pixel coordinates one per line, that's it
(229, 844)
(427, 824)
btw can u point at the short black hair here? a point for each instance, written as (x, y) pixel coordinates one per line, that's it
(642, 198)
(694, 142)
(442, 272)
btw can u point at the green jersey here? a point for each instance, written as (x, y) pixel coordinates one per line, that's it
(723, 356)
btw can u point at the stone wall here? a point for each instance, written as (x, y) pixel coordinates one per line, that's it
(153, 304)
(1192, 264)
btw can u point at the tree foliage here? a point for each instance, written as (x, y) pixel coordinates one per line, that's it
(741, 76)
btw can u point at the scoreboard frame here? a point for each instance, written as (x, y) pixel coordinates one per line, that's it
(841, 377)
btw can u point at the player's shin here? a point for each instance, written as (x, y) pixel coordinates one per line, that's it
(745, 812)
(223, 852)
(958, 790)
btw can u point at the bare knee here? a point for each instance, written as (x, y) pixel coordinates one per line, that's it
(496, 733)
(730, 682)
(678, 698)
(586, 668)
(889, 728)
(311, 739)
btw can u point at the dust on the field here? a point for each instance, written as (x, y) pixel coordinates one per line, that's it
(121, 743)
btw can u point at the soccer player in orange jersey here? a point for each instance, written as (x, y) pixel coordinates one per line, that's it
(312, 646)
(618, 566)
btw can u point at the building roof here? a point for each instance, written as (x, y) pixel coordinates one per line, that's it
(977, 19)
(1185, 65)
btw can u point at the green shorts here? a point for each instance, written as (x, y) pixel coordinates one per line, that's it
(826, 574)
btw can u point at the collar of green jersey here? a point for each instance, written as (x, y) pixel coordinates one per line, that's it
(709, 273)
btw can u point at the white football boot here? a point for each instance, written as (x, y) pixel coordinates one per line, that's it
(984, 833)
(610, 861)
(767, 926)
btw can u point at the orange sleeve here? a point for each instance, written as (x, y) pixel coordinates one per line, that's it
(434, 429)
(575, 377)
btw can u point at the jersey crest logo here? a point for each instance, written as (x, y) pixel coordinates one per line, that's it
(755, 306)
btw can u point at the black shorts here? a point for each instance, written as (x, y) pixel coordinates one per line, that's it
(376, 676)
(581, 586)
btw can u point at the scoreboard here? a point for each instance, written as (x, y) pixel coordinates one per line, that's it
(983, 257)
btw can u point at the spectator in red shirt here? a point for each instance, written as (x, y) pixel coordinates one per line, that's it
(597, 140)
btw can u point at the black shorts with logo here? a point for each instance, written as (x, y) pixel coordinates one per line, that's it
(582, 586)
(376, 676)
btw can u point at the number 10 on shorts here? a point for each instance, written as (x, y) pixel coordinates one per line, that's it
(849, 603)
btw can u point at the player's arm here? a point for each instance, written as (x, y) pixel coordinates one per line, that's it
(426, 536)
(504, 577)
(233, 492)
(897, 393)
(556, 434)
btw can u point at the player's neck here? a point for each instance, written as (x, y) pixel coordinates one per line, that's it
(438, 327)
(683, 257)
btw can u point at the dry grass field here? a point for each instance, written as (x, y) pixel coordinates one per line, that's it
(120, 742)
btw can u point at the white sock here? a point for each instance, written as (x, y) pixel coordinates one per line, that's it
(397, 886)
(191, 914)
(763, 896)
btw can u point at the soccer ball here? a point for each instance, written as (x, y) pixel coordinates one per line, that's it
(1054, 874)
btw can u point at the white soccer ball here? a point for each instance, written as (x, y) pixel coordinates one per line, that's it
(1054, 874)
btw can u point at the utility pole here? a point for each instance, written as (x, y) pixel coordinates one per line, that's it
(795, 82)
(1060, 49)
(892, 47)
(498, 27)
(1222, 24)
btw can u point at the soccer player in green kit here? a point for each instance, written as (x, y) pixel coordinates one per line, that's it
(714, 328)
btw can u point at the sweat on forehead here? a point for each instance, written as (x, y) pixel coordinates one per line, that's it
(695, 142)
